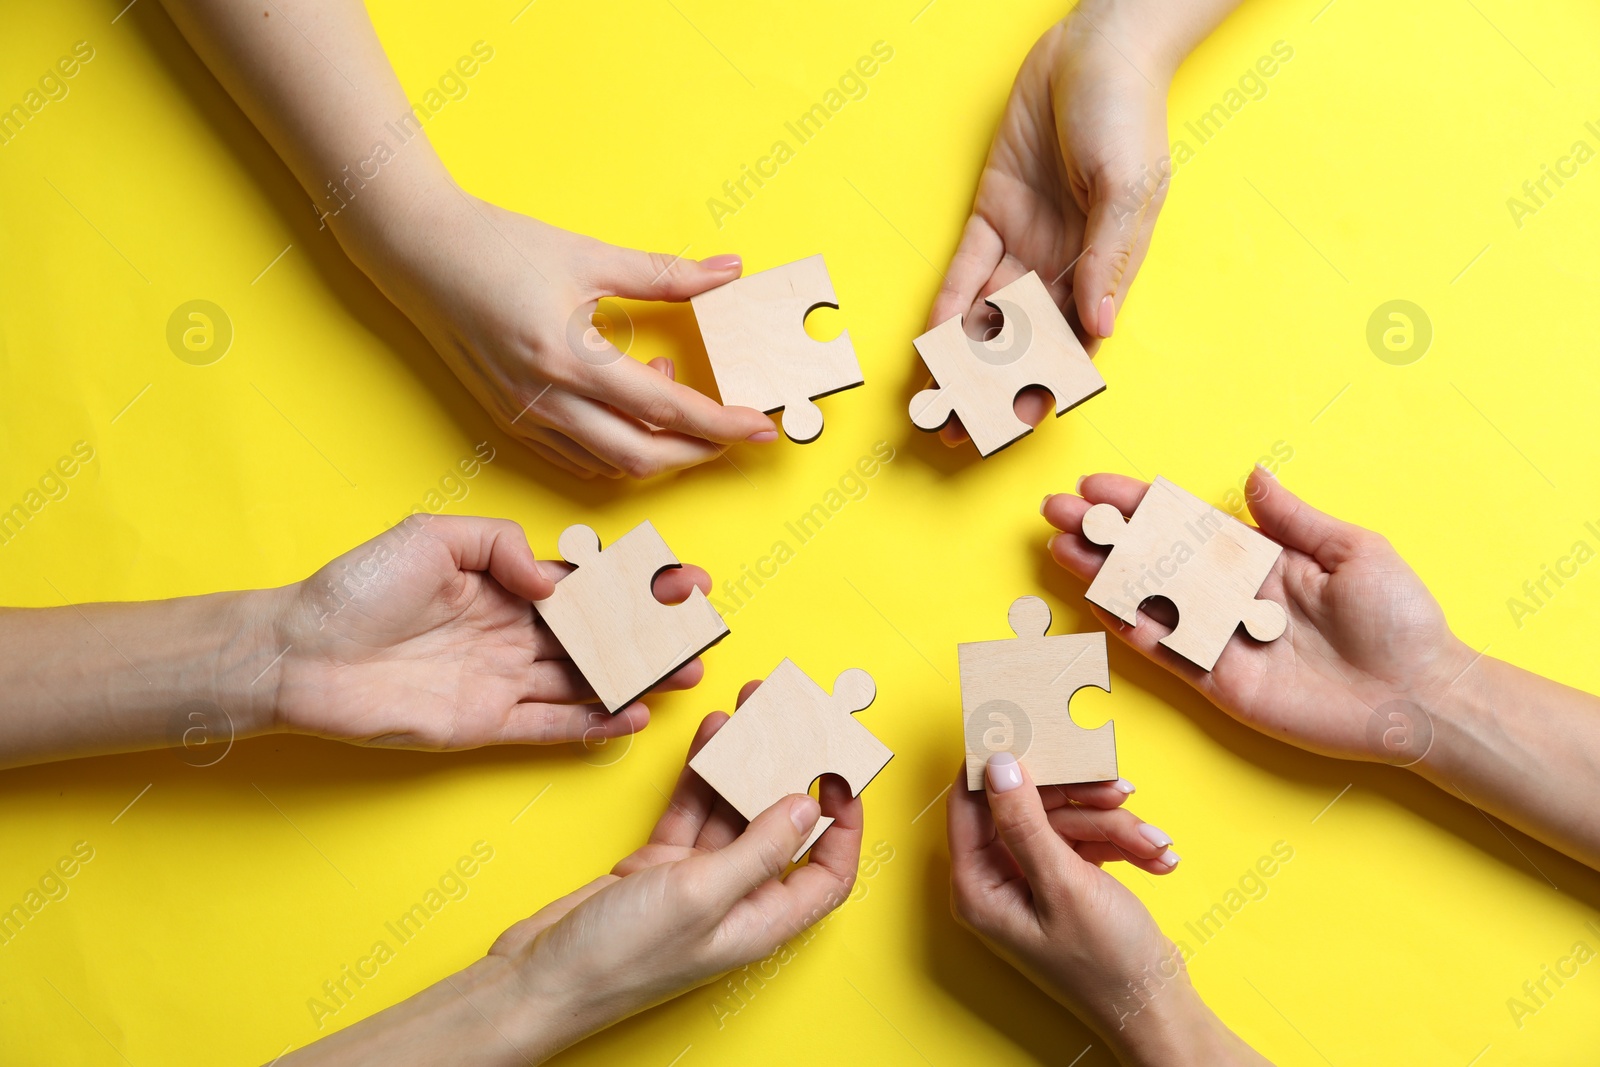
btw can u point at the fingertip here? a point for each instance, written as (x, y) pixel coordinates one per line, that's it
(746, 691)
(1106, 316)
(763, 437)
(804, 811)
(726, 263)
(1003, 773)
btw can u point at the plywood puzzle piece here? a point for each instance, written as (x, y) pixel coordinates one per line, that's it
(1207, 563)
(787, 735)
(1016, 697)
(761, 355)
(978, 380)
(620, 637)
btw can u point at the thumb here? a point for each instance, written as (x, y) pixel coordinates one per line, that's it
(1122, 208)
(498, 546)
(1290, 521)
(762, 852)
(636, 275)
(1019, 817)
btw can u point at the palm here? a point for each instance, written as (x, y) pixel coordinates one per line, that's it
(422, 653)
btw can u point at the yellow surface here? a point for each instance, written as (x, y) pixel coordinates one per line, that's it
(1377, 166)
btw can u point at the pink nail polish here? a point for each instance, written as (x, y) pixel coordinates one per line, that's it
(1170, 858)
(762, 437)
(1122, 785)
(1108, 314)
(1155, 835)
(1004, 772)
(727, 261)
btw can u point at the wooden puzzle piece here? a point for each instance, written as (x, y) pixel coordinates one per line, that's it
(787, 735)
(1016, 696)
(978, 380)
(761, 355)
(619, 636)
(1207, 563)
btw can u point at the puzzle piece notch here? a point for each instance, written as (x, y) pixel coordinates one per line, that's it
(1016, 696)
(980, 380)
(605, 614)
(1216, 565)
(787, 735)
(754, 332)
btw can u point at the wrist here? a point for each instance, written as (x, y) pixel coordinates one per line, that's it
(1140, 31)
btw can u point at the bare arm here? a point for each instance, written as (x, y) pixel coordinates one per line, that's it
(506, 300)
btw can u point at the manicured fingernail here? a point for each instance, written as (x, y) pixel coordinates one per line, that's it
(1045, 502)
(1155, 835)
(671, 369)
(1170, 858)
(1108, 313)
(1050, 545)
(762, 437)
(1078, 488)
(1004, 772)
(1122, 785)
(728, 261)
(803, 814)
(1264, 470)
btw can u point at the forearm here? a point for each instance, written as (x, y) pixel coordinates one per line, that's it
(98, 678)
(1155, 34)
(313, 77)
(1524, 749)
(483, 1016)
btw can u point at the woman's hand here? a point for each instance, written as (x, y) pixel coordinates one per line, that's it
(1025, 877)
(1366, 644)
(426, 637)
(507, 301)
(1075, 177)
(704, 895)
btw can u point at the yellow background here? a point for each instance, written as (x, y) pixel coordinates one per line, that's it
(1376, 167)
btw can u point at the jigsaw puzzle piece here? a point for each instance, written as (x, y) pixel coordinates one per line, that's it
(1016, 696)
(787, 735)
(980, 380)
(605, 614)
(1208, 564)
(760, 353)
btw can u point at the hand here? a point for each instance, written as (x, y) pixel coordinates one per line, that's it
(1025, 877)
(1363, 630)
(1077, 173)
(703, 896)
(425, 637)
(507, 300)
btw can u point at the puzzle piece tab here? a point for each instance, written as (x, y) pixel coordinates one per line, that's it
(1207, 563)
(1016, 697)
(788, 734)
(978, 380)
(620, 637)
(761, 355)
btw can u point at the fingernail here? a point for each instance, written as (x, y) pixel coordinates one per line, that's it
(804, 813)
(1263, 470)
(1078, 488)
(1170, 858)
(1004, 772)
(762, 437)
(1045, 502)
(1155, 835)
(671, 369)
(1050, 545)
(1108, 313)
(1122, 785)
(728, 261)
